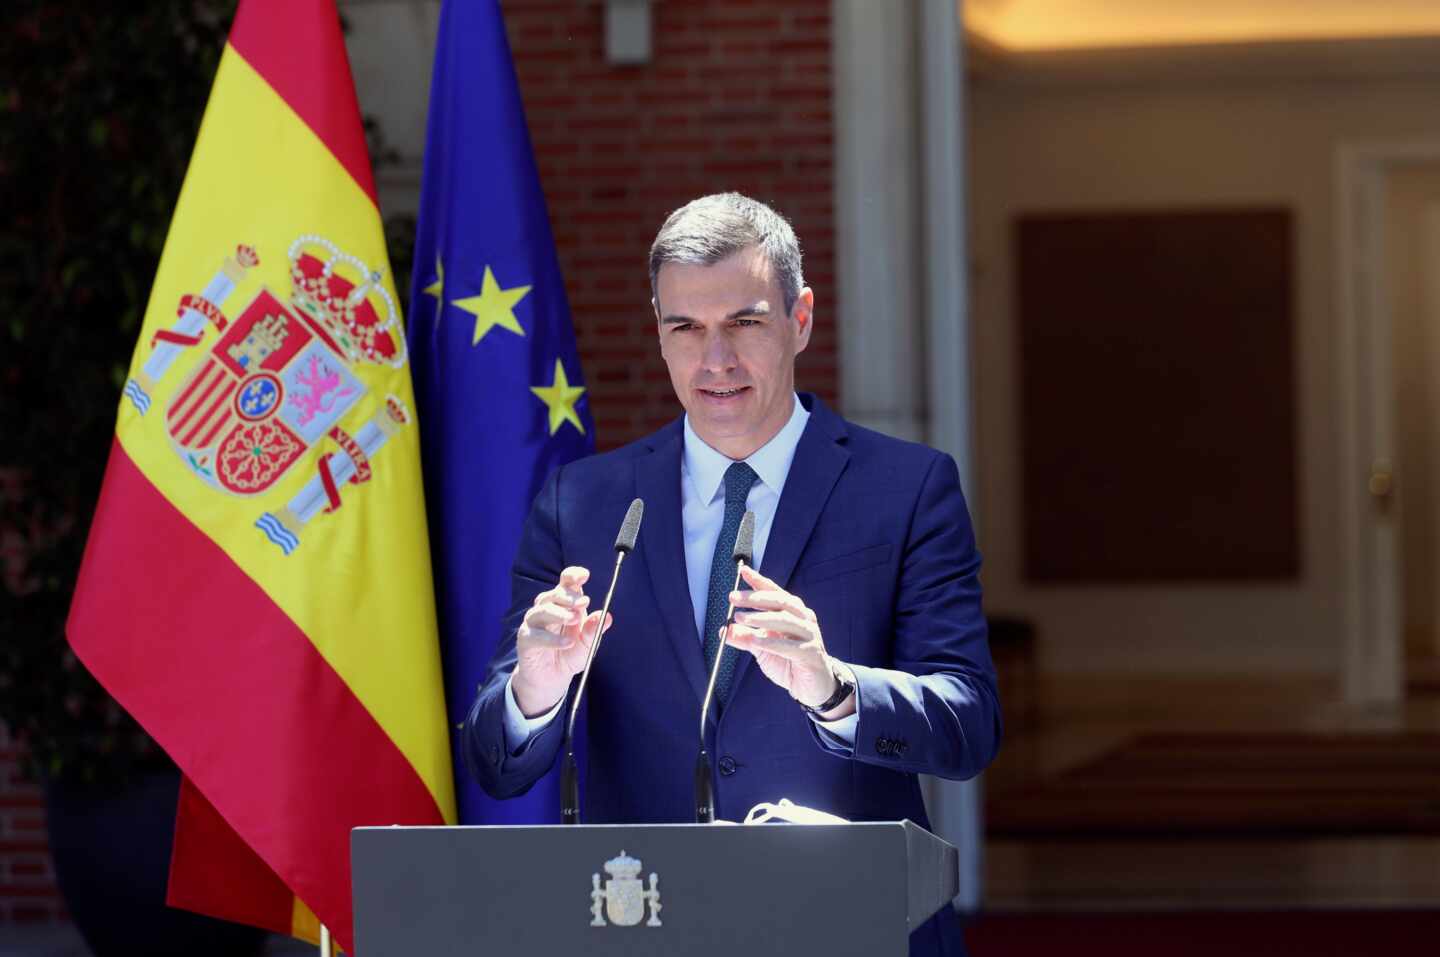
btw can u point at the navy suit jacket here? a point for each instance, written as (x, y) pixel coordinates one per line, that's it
(870, 532)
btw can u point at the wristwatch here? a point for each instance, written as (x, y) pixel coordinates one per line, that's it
(844, 687)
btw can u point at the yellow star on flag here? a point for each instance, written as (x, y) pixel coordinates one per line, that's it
(560, 398)
(437, 288)
(493, 307)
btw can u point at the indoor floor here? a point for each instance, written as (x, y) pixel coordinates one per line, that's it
(1081, 720)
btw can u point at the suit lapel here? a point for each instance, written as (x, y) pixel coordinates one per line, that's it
(819, 459)
(657, 477)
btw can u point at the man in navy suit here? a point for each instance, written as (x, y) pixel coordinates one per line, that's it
(859, 660)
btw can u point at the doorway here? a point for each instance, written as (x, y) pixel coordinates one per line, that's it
(1412, 272)
(1389, 331)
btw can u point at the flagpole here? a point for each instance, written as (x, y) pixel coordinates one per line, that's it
(327, 949)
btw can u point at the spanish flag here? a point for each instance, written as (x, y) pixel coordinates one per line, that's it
(256, 589)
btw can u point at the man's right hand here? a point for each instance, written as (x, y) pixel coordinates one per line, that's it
(553, 642)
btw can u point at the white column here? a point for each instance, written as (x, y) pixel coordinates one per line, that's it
(956, 806)
(391, 44)
(901, 267)
(877, 225)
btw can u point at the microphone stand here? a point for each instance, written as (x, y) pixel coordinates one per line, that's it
(569, 770)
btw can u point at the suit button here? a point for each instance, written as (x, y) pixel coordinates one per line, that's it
(727, 765)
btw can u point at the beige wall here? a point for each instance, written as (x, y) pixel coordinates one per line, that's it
(1082, 138)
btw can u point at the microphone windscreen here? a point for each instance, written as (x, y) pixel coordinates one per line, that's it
(745, 540)
(630, 528)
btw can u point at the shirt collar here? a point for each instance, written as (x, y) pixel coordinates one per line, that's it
(706, 467)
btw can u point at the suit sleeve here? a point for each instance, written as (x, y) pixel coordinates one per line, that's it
(936, 709)
(538, 563)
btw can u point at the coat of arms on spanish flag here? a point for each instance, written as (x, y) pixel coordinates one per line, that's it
(256, 589)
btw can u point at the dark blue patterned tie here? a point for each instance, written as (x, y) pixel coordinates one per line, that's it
(738, 479)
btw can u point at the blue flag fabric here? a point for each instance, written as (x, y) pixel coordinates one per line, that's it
(497, 376)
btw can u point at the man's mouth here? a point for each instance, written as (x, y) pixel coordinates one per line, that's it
(724, 393)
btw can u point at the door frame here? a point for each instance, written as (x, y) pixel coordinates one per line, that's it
(1372, 667)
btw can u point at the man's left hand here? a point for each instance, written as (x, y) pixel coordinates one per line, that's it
(784, 636)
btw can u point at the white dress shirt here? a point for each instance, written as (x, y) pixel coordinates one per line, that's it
(702, 500)
(702, 506)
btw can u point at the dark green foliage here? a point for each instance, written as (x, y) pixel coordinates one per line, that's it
(99, 106)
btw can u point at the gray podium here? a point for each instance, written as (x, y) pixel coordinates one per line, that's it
(671, 889)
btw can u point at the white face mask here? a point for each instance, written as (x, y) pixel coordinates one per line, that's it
(790, 813)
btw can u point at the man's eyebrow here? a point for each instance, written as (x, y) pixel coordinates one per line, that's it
(761, 308)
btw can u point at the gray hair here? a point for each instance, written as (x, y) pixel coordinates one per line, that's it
(711, 228)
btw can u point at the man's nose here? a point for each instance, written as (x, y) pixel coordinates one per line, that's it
(719, 354)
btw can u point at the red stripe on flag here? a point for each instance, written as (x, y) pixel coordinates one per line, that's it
(205, 417)
(297, 47)
(220, 423)
(214, 872)
(214, 382)
(189, 390)
(236, 693)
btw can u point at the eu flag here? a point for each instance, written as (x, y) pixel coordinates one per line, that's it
(497, 376)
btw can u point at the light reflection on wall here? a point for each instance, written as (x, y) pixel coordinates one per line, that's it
(1032, 25)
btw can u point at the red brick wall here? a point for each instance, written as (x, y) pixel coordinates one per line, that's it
(736, 96)
(27, 884)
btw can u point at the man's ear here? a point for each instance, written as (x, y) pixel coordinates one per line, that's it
(803, 315)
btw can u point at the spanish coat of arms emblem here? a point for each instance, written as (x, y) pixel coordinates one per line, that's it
(624, 896)
(278, 379)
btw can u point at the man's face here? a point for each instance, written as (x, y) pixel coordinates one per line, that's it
(731, 347)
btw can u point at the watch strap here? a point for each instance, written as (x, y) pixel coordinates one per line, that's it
(844, 687)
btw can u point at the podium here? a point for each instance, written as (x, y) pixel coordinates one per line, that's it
(647, 889)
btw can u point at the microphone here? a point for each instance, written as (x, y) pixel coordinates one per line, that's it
(744, 554)
(569, 772)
